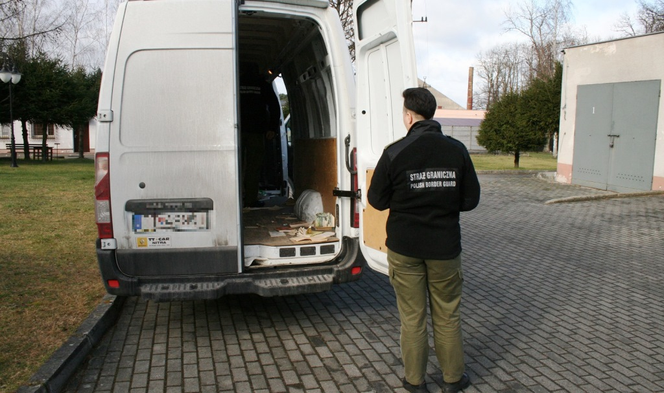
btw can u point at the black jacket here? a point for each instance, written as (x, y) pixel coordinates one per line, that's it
(425, 179)
(259, 105)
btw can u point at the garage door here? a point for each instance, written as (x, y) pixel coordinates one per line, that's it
(616, 129)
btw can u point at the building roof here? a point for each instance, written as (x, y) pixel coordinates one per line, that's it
(458, 122)
(612, 40)
(443, 101)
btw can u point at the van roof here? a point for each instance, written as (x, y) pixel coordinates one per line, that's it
(309, 3)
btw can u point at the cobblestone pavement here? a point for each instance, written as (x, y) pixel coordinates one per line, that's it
(558, 297)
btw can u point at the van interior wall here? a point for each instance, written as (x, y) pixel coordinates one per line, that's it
(313, 122)
(315, 167)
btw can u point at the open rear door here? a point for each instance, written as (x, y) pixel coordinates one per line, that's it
(385, 63)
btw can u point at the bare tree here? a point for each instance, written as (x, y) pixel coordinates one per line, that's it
(83, 38)
(32, 22)
(651, 16)
(345, 10)
(501, 70)
(543, 24)
(9, 9)
(626, 26)
(75, 38)
(511, 68)
(649, 19)
(76, 31)
(102, 32)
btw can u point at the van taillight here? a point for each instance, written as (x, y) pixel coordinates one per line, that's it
(103, 196)
(355, 207)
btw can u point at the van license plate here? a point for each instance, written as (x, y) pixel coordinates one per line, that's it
(146, 223)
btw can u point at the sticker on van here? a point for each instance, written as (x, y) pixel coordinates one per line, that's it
(153, 241)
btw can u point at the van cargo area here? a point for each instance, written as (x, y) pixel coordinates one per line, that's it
(293, 49)
(175, 211)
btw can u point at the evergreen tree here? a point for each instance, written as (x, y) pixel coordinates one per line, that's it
(43, 97)
(542, 98)
(524, 121)
(82, 103)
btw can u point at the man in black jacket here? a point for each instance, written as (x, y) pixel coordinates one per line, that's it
(426, 179)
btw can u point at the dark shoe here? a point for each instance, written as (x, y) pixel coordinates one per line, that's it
(415, 388)
(455, 387)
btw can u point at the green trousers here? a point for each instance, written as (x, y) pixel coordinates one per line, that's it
(412, 278)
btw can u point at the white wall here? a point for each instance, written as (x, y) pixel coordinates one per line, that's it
(626, 60)
(63, 136)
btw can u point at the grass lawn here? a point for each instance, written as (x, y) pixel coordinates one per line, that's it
(49, 280)
(527, 161)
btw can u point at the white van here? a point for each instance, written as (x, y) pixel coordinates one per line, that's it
(168, 165)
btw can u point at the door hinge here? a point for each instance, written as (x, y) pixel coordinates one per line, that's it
(105, 116)
(347, 194)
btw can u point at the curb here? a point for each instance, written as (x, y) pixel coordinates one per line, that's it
(510, 172)
(551, 176)
(604, 196)
(53, 375)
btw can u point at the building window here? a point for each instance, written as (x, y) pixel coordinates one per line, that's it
(5, 131)
(38, 130)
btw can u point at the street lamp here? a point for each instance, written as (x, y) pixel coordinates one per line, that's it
(12, 77)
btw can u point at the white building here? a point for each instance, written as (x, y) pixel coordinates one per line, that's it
(61, 139)
(612, 116)
(462, 125)
(456, 121)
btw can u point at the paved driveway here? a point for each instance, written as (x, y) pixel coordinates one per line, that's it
(558, 297)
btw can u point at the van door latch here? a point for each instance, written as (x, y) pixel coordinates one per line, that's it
(347, 194)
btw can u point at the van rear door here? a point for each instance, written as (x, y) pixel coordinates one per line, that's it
(173, 163)
(385, 61)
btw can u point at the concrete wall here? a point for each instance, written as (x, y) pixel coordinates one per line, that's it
(626, 60)
(462, 125)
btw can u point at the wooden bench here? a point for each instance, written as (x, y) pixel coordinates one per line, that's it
(36, 150)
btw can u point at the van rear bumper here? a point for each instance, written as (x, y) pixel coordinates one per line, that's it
(282, 281)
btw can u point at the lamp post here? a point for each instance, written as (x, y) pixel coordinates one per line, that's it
(12, 77)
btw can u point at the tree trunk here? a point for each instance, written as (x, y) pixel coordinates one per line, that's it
(44, 157)
(80, 141)
(26, 142)
(517, 156)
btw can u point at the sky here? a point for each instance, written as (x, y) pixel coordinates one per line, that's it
(456, 32)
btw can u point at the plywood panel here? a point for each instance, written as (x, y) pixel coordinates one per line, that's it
(374, 222)
(315, 167)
